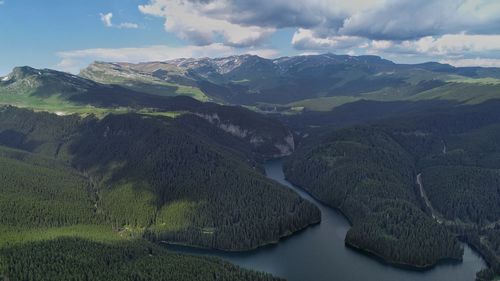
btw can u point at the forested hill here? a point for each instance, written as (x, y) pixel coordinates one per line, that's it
(52, 228)
(150, 174)
(369, 172)
(366, 174)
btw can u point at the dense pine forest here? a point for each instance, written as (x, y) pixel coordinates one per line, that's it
(128, 177)
(370, 174)
(75, 259)
(370, 178)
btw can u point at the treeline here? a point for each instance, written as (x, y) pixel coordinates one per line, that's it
(81, 260)
(365, 173)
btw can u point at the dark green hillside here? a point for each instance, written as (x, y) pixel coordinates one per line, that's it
(471, 194)
(154, 177)
(124, 178)
(39, 192)
(370, 173)
(74, 259)
(367, 175)
(177, 175)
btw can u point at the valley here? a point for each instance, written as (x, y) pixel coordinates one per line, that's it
(133, 157)
(319, 252)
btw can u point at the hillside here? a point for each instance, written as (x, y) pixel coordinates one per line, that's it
(64, 94)
(370, 172)
(50, 214)
(113, 184)
(155, 78)
(368, 176)
(151, 176)
(76, 259)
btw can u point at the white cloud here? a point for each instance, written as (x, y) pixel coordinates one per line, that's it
(74, 61)
(188, 19)
(455, 44)
(473, 62)
(128, 25)
(305, 39)
(202, 20)
(437, 29)
(107, 20)
(441, 47)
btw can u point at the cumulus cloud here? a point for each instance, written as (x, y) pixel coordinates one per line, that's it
(455, 44)
(372, 19)
(443, 29)
(450, 46)
(107, 20)
(473, 62)
(74, 61)
(305, 39)
(191, 20)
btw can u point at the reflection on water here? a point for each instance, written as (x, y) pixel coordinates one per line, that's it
(319, 253)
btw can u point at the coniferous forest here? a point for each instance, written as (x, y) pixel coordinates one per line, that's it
(412, 187)
(104, 174)
(116, 182)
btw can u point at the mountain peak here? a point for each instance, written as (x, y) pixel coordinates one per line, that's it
(22, 72)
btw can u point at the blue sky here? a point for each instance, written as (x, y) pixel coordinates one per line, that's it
(69, 34)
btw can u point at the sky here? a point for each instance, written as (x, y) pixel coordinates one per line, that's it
(67, 35)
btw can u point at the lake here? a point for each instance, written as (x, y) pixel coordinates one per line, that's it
(319, 253)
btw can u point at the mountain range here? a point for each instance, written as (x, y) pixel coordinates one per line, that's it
(314, 82)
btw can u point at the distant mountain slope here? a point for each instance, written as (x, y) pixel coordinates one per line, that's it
(155, 78)
(251, 80)
(63, 94)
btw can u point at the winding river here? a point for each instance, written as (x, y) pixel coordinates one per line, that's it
(319, 254)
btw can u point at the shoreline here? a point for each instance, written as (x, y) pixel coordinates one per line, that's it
(378, 256)
(262, 245)
(403, 265)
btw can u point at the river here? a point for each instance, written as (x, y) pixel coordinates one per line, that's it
(319, 253)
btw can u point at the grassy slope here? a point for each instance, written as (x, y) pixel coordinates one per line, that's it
(459, 89)
(137, 81)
